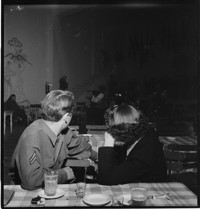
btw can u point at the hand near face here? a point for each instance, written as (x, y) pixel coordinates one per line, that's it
(109, 140)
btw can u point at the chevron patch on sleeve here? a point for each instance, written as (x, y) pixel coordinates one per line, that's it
(33, 158)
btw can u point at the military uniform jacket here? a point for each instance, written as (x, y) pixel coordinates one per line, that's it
(39, 150)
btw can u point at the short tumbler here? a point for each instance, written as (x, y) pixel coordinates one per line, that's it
(138, 196)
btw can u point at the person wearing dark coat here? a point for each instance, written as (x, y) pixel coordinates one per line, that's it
(132, 151)
(63, 84)
(18, 112)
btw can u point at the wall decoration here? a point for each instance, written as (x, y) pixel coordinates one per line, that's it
(14, 67)
(16, 54)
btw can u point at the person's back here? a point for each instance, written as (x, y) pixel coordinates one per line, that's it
(11, 103)
(149, 151)
(32, 130)
(141, 158)
(44, 145)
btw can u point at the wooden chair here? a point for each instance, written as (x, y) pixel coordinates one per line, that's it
(182, 164)
(96, 129)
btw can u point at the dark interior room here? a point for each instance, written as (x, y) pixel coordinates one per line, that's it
(144, 54)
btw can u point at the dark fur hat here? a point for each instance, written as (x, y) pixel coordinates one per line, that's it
(128, 133)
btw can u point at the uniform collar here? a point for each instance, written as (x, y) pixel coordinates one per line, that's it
(49, 132)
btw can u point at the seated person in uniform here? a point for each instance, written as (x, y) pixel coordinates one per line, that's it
(132, 151)
(46, 143)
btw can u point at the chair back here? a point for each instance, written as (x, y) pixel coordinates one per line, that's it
(96, 129)
(180, 158)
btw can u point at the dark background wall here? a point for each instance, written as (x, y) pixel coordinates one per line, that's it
(153, 43)
(139, 44)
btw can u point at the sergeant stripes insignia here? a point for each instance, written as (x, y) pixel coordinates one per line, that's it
(33, 158)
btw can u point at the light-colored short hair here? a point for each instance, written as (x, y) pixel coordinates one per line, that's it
(56, 104)
(126, 114)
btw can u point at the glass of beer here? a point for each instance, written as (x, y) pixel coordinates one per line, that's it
(138, 196)
(50, 183)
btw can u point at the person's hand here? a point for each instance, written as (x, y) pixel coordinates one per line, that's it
(93, 164)
(70, 173)
(109, 140)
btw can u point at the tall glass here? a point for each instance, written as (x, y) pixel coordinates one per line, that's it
(50, 182)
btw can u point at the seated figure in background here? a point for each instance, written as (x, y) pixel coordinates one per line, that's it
(18, 112)
(132, 151)
(97, 107)
(46, 143)
(63, 84)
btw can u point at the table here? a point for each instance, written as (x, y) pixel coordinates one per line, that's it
(182, 196)
(10, 114)
(183, 140)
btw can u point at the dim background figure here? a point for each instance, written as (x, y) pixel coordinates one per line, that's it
(63, 84)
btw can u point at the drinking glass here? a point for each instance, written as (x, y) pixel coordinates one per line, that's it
(80, 189)
(138, 196)
(50, 182)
